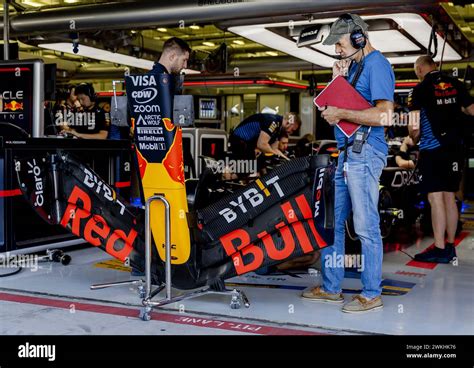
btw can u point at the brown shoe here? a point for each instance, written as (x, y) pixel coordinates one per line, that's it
(317, 294)
(359, 304)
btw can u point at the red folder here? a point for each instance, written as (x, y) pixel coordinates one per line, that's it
(340, 93)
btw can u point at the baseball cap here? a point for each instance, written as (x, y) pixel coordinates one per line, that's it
(344, 26)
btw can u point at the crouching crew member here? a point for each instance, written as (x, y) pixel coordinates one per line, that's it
(261, 131)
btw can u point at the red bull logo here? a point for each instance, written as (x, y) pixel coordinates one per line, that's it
(173, 161)
(443, 86)
(168, 124)
(142, 162)
(444, 89)
(13, 106)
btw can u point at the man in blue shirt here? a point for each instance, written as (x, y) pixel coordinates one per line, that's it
(359, 165)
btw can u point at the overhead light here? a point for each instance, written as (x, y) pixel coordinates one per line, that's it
(210, 44)
(194, 26)
(156, 38)
(99, 54)
(112, 57)
(271, 53)
(260, 34)
(190, 71)
(246, 82)
(162, 29)
(238, 42)
(32, 3)
(387, 41)
(71, 1)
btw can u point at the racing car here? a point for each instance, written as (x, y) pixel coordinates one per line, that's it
(277, 217)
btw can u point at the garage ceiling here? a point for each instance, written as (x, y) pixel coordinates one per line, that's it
(146, 43)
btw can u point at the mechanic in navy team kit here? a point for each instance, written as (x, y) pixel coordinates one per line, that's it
(174, 57)
(261, 131)
(439, 105)
(92, 122)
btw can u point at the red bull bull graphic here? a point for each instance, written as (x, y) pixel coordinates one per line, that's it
(443, 86)
(444, 89)
(12, 106)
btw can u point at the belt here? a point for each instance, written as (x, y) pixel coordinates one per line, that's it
(343, 148)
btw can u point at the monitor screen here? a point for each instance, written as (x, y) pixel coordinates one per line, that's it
(207, 108)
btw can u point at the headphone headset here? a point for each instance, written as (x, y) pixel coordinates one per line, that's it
(88, 90)
(357, 36)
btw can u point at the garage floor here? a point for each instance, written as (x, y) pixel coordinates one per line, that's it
(418, 299)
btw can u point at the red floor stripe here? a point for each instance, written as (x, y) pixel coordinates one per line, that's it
(432, 266)
(10, 193)
(156, 316)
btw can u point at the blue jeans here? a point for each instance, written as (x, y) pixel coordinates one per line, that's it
(361, 194)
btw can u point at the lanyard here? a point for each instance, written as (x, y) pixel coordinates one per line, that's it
(354, 81)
